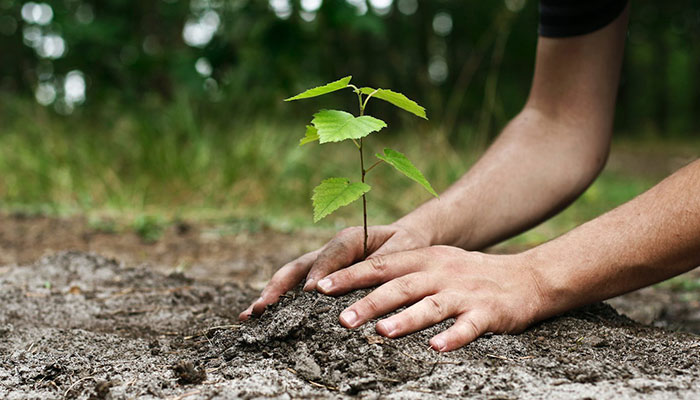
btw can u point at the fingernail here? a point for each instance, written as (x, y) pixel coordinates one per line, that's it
(388, 327)
(349, 317)
(309, 285)
(325, 285)
(439, 344)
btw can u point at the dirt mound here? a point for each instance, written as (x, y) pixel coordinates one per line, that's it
(81, 326)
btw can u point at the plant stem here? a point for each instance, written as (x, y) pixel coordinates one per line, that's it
(368, 97)
(364, 172)
(364, 200)
(373, 165)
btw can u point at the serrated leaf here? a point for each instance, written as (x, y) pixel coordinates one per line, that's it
(334, 193)
(335, 125)
(397, 99)
(406, 167)
(321, 90)
(311, 135)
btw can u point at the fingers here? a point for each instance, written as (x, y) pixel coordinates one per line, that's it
(284, 279)
(425, 313)
(465, 330)
(344, 249)
(388, 297)
(373, 271)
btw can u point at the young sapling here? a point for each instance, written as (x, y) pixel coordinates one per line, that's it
(329, 126)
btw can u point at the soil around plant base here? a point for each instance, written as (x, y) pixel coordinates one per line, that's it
(77, 325)
(247, 252)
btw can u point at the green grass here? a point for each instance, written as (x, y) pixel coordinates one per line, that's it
(153, 168)
(176, 164)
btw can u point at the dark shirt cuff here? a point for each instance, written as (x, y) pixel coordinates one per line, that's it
(564, 18)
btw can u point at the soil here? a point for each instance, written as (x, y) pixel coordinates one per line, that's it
(237, 250)
(249, 253)
(78, 325)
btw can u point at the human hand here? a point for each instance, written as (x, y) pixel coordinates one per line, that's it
(346, 248)
(484, 293)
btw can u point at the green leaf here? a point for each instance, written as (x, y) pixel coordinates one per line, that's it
(321, 90)
(406, 167)
(397, 99)
(334, 193)
(335, 126)
(311, 135)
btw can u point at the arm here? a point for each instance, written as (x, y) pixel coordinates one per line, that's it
(547, 156)
(651, 238)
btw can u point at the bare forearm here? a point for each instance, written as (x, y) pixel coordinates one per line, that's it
(534, 169)
(651, 238)
(546, 156)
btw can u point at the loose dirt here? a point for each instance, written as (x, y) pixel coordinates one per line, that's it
(249, 252)
(77, 325)
(235, 250)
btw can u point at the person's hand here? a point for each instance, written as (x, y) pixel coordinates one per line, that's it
(484, 293)
(344, 249)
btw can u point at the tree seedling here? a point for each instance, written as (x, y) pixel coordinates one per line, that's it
(329, 126)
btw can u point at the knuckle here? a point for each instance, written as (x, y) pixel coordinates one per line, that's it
(324, 262)
(348, 232)
(471, 328)
(298, 264)
(272, 287)
(444, 250)
(377, 264)
(267, 290)
(337, 249)
(403, 287)
(370, 305)
(435, 305)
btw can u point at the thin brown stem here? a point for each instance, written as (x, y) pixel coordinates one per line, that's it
(364, 172)
(364, 200)
(373, 165)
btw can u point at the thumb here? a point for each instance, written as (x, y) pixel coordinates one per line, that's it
(397, 243)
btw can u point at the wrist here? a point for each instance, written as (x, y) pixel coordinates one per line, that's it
(420, 223)
(564, 280)
(549, 299)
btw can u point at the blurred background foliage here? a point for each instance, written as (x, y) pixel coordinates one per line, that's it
(240, 57)
(176, 104)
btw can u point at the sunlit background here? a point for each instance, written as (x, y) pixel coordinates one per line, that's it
(173, 107)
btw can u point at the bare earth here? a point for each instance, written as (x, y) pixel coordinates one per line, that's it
(78, 325)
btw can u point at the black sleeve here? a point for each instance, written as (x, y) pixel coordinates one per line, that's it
(563, 18)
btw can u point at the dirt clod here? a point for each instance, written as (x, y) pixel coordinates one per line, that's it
(187, 373)
(101, 391)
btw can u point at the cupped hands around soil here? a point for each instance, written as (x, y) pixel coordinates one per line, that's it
(77, 325)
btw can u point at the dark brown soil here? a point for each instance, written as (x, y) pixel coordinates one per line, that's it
(237, 250)
(76, 325)
(249, 253)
